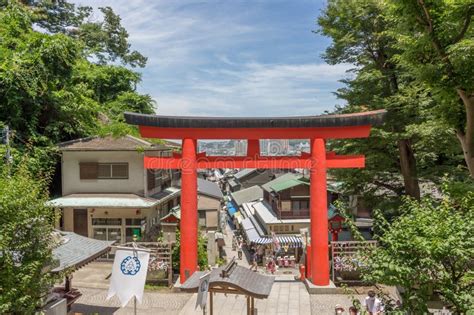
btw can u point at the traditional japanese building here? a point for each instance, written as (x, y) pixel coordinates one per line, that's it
(107, 192)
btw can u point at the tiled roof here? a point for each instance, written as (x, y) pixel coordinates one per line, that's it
(248, 194)
(265, 214)
(233, 183)
(75, 250)
(280, 179)
(166, 194)
(240, 278)
(283, 185)
(109, 143)
(209, 188)
(175, 212)
(244, 172)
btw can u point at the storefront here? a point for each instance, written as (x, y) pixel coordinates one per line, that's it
(289, 247)
(107, 217)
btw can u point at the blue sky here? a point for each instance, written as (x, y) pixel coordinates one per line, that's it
(231, 58)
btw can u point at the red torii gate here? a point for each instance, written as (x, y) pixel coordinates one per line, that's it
(315, 128)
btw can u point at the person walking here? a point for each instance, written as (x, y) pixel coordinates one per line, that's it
(254, 261)
(373, 304)
(239, 250)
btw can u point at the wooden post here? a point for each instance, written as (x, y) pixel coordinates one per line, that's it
(211, 303)
(248, 305)
(67, 284)
(170, 265)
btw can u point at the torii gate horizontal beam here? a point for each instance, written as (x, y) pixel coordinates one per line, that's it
(256, 133)
(262, 162)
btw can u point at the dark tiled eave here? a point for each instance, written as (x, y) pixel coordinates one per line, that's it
(243, 280)
(372, 118)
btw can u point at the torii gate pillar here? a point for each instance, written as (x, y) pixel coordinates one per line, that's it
(319, 214)
(189, 214)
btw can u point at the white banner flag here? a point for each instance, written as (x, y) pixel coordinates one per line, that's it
(128, 275)
(201, 299)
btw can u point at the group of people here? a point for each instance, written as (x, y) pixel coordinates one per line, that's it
(255, 255)
(373, 306)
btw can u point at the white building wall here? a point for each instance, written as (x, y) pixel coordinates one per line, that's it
(71, 182)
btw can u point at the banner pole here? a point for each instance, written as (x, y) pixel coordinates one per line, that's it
(135, 305)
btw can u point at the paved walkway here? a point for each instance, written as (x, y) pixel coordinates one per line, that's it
(286, 298)
(93, 301)
(233, 253)
(325, 304)
(95, 275)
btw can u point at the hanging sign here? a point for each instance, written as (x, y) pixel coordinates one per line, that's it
(128, 274)
(202, 290)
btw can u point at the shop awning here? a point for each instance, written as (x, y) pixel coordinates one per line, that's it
(231, 209)
(290, 240)
(249, 230)
(103, 201)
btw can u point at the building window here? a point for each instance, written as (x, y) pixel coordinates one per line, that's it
(295, 205)
(202, 218)
(106, 221)
(88, 170)
(285, 205)
(137, 222)
(299, 205)
(286, 228)
(113, 171)
(92, 170)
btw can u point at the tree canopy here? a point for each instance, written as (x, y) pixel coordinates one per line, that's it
(427, 250)
(62, 83)
(416, 143)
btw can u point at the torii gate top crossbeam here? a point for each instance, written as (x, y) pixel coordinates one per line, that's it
(356, 125)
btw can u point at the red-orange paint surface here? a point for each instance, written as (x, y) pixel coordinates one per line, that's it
(189, 214)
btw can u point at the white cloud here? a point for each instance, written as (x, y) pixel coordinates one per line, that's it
(203, 61)
(257, 89)
(175, 33)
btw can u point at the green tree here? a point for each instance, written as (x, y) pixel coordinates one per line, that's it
(106, 40)
(51, 92)
(25, 242)
(202, 252)
(360, 33)
(436, 43)
(428, 249)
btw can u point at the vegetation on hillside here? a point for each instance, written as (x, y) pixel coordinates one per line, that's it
(60, 78)
(395, 68)
(26, 224)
